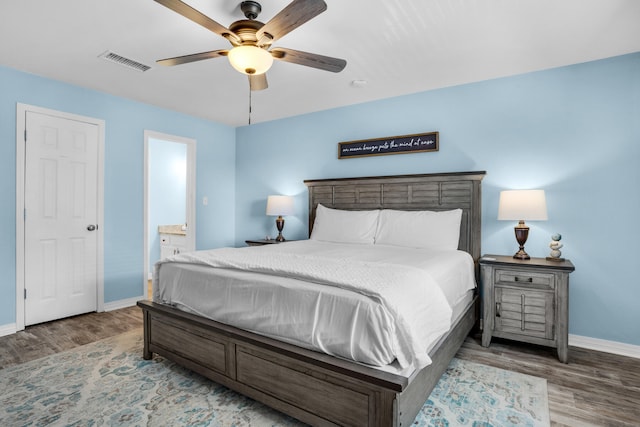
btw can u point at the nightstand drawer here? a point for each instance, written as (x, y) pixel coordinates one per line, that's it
(528, 278)
(524, 312)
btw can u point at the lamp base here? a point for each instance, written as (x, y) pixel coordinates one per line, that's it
(280, 226)
(522, 232)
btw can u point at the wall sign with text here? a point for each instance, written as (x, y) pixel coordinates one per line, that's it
(417, 143)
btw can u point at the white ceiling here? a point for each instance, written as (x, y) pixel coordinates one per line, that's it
(397, 46)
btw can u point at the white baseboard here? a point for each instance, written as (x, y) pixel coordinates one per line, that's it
(8, 329)
(597, 344)
(123, 303)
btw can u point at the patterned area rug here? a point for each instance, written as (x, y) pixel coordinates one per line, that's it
(107, 383)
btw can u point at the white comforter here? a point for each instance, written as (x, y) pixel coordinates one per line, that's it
(405, 294)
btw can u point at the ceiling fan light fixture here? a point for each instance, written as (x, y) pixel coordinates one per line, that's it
(250, 60)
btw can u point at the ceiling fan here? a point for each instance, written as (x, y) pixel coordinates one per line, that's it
(252, 53)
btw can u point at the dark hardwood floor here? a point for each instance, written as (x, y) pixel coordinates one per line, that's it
(593, 389)
(53, 337)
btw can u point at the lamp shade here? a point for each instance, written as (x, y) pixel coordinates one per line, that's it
(528, 205)
(250, 60)
(279, 205)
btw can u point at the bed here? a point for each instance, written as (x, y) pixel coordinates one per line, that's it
(312, 386)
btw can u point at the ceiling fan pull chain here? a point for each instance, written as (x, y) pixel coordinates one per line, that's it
(249, 106)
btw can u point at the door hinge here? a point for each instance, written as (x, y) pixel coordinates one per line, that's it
(25, 214)
(25, 135)
(25, 293)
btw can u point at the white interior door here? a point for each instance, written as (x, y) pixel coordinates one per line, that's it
(61, 213)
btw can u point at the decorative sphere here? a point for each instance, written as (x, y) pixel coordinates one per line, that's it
(556, 237)
(555, 253)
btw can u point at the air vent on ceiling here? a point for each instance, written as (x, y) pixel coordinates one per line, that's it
(126, 62)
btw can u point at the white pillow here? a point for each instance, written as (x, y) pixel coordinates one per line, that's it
(335, 225)
(419, 229)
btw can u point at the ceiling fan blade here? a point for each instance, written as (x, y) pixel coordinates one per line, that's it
(327, 63)
(288, 19)
(258, 81)
(192, 58)
(200, 18)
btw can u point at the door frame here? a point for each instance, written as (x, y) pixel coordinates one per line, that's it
(191, 194)
(21, 122)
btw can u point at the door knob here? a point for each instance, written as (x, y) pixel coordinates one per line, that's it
(91, 227)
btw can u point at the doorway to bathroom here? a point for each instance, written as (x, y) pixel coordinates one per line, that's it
(169, 198)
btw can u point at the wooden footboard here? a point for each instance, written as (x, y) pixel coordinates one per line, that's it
(313, 387)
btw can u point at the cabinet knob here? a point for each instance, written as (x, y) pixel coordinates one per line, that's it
(497, 309)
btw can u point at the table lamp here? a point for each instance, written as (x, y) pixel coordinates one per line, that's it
(279, 206)
(521, 205)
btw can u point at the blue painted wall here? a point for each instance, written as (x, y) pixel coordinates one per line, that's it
(125, 122)
(167, 190)
(573, 131)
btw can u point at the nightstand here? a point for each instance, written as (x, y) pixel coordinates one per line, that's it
(261, 242)
(526, 301)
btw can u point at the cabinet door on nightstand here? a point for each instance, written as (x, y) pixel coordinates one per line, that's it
(525, 312)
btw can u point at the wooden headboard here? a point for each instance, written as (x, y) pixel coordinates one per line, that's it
(434, 192)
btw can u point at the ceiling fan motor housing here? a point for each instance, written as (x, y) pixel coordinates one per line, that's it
(246, 29)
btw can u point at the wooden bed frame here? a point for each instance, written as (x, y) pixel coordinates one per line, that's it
(314, 387)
